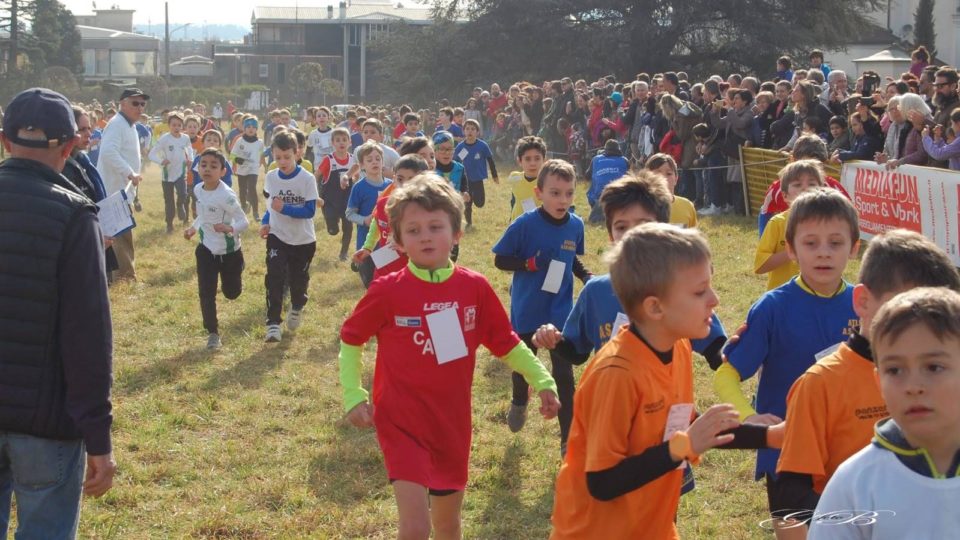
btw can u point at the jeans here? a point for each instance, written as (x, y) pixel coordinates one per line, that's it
(687, 187)
(46, 477)
(714, 179)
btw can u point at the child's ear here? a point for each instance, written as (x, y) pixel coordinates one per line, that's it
(791, 252)
(861, 300)
(537, 192)
(457, 236)
(652, 308)
(855, 249)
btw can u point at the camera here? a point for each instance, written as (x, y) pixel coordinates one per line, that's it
(871, 83)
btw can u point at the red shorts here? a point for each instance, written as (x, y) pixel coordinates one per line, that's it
(435, 464)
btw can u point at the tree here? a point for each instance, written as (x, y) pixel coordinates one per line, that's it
(923, 31)
(305, 80)
(539, 39)
(45, 30)
(60, 79)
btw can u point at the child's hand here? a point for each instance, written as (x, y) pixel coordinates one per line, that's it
(276, 204)
(344, 182)
(222, 228)
(763, 419)
(367, 220)
(321, 202)
(549, 404)
(164, 163)
(496, 180)
(466, 197)
(704, 430)
(361, 416)
(188, 234)
(547, 337)
(265, 231)
(359, 256)
(775, 435)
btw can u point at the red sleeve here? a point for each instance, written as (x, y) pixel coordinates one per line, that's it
(370, 315)
(324, 169)
(832, 182)
(496, 333)
(398, 131)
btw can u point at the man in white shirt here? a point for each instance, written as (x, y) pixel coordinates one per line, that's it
(119, 163)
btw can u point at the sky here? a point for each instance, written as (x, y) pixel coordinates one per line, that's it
(182, 11)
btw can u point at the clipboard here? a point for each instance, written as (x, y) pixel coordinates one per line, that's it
(115, 214)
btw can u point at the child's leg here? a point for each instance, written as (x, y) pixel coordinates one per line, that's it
(478, 194)
(231, 275)
(298, 270)
(366, 270)
(277, 253)
(242, 191)
(347, 227)
(445, 514)
(180, 187)
(252, 194)
(413, 510)
(468, 211)
(521, 391)
(562, 372)
(169, 210)
(207, 267)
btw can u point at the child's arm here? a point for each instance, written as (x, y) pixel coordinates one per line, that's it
(300, 211)
(581, 271)
(768, 258)
(726, 382)
(365, 321)
(238, 218)
(156, 154)
(493, 169)
(548, 337)
(354, 216)
(743, 359)
(522, 360)
(538, 262)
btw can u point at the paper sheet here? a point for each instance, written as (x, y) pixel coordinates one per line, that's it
(463, 154)
(529, 205)
(115, 215)
(678, 419)
(554, 278)
(621, 320)
(446, 335)
(384, 256)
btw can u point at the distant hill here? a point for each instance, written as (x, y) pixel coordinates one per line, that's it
(196, 31)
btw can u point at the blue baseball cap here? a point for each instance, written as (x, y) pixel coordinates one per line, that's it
(39, 109)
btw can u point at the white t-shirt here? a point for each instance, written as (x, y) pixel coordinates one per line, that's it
(872, 495)
(296, 190)
(321, 142)
(177, 151)
(250, 152)
(219, 206)
(390, 156)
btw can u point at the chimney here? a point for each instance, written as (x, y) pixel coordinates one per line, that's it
(330, 11)
(343, 10)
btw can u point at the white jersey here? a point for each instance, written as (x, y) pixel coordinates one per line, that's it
(321, 142)
(875, 496)
(250, 153)
(296, 191)
(390, 157)
(219, 206)
(177, 151)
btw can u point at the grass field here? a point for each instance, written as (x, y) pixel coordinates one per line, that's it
(248, 442)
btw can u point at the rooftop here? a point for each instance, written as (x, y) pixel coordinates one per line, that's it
(92, 32)
(356, 11)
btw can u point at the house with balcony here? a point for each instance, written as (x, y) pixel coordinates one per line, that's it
(336, 36)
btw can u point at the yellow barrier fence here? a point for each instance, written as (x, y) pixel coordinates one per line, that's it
(760, 168)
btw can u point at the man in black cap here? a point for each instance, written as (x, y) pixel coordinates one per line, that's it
(119, 163)
(55, 335)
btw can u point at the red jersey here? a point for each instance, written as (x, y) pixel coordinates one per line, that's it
(774, 203)
(383, 226)
(422, 409)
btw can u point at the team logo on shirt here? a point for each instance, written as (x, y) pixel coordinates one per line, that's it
(569, 245)
(469, 318)
(651, 408)
(407, 322)
(440, 306)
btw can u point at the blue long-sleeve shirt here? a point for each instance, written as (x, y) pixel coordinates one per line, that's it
(942, 150)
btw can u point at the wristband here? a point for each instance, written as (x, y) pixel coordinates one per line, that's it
(680, 446)
(532, 264)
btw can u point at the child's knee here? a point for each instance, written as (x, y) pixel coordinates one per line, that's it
(414, 529)
(232, 293)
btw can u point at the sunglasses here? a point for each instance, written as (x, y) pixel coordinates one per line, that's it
(139, 103)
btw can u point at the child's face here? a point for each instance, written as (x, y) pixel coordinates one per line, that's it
(237, 122)
(250, 131)
(286, 159)
(426, 236)
(458, 118)
(285, 118)
(556, 195)
(822, 247)
(670, 174)
(372, 164)
(370, 133)
(211, 140)
(470, 132)
(628, 218)
(798, 185)
(211, 170)
(429, 156)
(323, 118)
(341, 144)
(687, 308)
(445, 153)
(920, 381)
(413, 126)
(531, 162)
(836, 131)
(176, 126)
(400, 176)
(192, 128)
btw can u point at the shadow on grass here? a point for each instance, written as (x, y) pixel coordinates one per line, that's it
(348, 467)
(162, 371)
(170, 277)
(250, 371)
(505, 511)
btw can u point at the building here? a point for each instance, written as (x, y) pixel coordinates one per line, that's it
(335, 36)
(111, 50)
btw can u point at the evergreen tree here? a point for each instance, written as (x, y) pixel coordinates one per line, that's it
(923, 32)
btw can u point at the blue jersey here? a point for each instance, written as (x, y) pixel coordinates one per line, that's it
(530, 234)
(144, 134)
(195, 173)
(591, 323)
(93, 151)
(454, 176)
(356, 140)
(605, 169)
(474, 158)
(399, 141)
(363, 197)
(786, 329)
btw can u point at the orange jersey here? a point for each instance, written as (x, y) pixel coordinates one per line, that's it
(197, 144)
(620, 410)
(831, 413)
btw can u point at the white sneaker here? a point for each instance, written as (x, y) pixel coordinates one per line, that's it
(728, 209)
(294, 319)
(711, 210)
(274, 333)
(213, 342)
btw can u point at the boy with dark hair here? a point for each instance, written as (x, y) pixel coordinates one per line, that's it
(541, 248)
(531, 152)
(834, 405)
(788, 328)
(289, 232)
(412, 124)
(635, 424)
(909, 476)
(816, 62)
(445, 123)
(477, 160)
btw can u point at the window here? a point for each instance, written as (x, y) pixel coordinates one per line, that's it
(354, 35)
(264, 71)
(281, 73)
(377, 31)
(131, 63)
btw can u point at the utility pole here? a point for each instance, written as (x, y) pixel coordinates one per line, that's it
(166, 39)
(14, 35)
